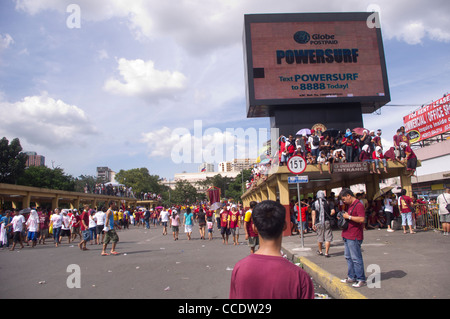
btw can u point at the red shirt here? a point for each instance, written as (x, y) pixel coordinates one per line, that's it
(304, 209)
(85, 218)
(234, 218)
(269, 277)
(224, 218)
(355, 230)
(403, 203)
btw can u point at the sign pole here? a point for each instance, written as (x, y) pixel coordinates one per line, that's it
(300, 214)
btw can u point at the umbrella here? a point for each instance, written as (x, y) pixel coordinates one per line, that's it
(25, 211)
(265, 161)
(304, 132)
(332, 132)
(382, 192)
(360, 130)
(215, 206)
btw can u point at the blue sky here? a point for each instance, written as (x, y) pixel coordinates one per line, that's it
(112, 92)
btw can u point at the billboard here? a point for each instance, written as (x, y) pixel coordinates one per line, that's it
(308, 58)
(428, 121)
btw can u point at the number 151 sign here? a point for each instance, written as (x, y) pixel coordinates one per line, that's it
(296, 164)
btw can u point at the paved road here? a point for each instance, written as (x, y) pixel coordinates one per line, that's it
(150, 266)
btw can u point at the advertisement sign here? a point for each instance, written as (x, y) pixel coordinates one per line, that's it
(428, 121)
(313, 58)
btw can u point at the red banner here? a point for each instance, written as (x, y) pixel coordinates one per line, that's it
(428, 121)
(213, 195)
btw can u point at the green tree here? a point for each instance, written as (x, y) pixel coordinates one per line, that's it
(12, 161)
(140, 180)
(44, 177)
(184, 193)
(83, 180)
(237, 187)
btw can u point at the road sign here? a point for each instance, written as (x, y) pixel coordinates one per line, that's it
(298, 179)
(296, 164)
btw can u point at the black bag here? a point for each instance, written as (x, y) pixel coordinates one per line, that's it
(448, 205)
(341, 221)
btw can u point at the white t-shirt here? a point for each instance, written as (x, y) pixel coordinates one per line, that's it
(311, 140)
(388, 205)
(100, 217)
(164, 216)
(66, 222)
(18, 222)
(442, 203)
(93, 221)
(56, 220)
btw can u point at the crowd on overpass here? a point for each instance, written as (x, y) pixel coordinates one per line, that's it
(335, 146)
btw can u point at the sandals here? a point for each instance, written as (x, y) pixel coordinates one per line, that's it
(322, 254)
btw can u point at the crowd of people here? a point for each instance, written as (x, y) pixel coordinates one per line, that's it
(379, 213)
(120, 190)
(334, 146)
(86, 226)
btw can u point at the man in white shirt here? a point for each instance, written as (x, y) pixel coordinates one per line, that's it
(18, 224)
(444, 215)
(100, 215)
(33, 227)
(164, 216)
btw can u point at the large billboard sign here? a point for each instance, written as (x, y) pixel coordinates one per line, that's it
(428, 121)
(303, 59)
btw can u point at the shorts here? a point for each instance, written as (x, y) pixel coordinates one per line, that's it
(444, 218)
(210, 227)
(164, 224)
(65, 232)
(86, 235)
(175, 229)
(324, 233)
(224, 230)
(17, 236)
(253, 241)
(201, 225)
(111, 235)
(44, 232)
(188, 228)
(234, 231)
(406, 218)
(32, 235)
(100, 228)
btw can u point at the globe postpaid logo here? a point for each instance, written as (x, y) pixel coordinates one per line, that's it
(302, 37)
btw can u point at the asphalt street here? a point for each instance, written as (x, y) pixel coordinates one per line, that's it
(150, 266)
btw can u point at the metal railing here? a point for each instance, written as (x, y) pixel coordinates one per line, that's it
(427, 216)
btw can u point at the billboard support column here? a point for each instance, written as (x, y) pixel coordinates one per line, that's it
(283, 188)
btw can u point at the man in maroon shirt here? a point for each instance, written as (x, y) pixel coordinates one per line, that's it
(84, 227)
(266, 274)
(353, 238)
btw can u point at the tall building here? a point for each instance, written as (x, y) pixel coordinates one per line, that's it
(236, 165)
(105, 174)
(33, 159)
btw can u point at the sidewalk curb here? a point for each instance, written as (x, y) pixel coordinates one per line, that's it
(331, 283)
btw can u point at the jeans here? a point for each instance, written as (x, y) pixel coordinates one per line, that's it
(349, 153)
(56, 234)
(93, 233)
(354, 259)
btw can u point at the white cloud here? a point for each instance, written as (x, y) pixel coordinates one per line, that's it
(5, 41)
(141, 78)
(211, 145)
(202, 25)
(42, 120)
